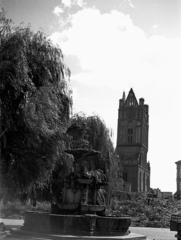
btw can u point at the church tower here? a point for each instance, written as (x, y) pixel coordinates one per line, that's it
(132, 141)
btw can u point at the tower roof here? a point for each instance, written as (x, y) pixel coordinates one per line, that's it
(131, 99)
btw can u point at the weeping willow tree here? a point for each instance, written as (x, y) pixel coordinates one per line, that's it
(35, 105)
(98, 137)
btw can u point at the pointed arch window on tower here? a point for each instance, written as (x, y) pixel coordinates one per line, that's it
(130, 102)
(125, 175)
(138, 132)
(130, 133)
(140, 182)
(122, 132)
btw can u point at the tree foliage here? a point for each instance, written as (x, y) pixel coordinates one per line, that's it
(35, 104)
(98, 137)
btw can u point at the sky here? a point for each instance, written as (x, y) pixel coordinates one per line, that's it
(112, 46)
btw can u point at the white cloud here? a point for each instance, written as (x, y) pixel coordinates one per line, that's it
(70, 3)
(57, 11)
(80, 3)
(109, 45)
(114, 52)
(67, 3)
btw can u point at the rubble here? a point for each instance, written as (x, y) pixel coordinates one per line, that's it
(156, 213)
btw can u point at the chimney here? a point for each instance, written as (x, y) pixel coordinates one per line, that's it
(141, 101)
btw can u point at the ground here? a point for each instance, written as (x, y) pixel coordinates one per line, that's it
(151, 233)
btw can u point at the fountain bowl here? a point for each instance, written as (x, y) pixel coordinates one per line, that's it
(79, 225)
(65, 227)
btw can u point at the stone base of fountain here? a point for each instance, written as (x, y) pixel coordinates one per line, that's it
(54, 226)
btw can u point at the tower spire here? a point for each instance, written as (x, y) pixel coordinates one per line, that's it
(124, 96)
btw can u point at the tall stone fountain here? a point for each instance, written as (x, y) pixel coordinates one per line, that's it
(79, 202)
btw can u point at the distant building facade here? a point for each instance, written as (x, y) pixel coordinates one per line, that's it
(162, 195)
(132, 141)
(178, 193)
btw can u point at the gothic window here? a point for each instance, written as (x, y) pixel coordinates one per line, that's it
(140, 181)
(130, 133)
(138, 132)
(122, 132)
(130, 101)
(148, 182)
(144, 182)
(140, 160)
(136, 114)
(140, 114)
(129, 160)
(145, 135)
(125, 175)
(130, 130)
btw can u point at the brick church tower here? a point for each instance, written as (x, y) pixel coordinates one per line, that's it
(132, 141)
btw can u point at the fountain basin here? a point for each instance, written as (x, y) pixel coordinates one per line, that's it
(79, 225)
